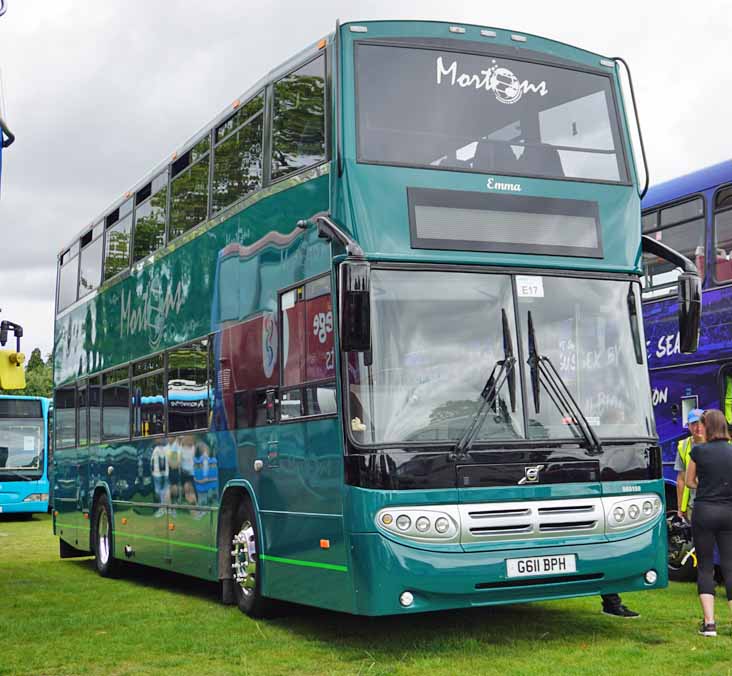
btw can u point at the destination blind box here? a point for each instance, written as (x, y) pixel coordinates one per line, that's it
(503, 223)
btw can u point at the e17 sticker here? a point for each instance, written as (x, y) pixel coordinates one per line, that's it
(529, 287)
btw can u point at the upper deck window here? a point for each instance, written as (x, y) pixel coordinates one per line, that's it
(67, 280)
(723, 235)
(298, 123)
(238, 155)
(90, 262)
(189, 197)
(440, 109)
(150, 205)
(680, 226)
(117, 238)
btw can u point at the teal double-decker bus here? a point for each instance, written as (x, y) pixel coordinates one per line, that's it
(372, 339)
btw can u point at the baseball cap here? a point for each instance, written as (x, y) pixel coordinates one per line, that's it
(694, 415)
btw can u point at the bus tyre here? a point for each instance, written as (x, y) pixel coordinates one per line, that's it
(107, 565)
(685, 573)
(245, 564)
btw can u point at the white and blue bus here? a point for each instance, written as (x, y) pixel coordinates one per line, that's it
(24, 454)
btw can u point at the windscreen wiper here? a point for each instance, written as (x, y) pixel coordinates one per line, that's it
(544, 373)
(501, 373)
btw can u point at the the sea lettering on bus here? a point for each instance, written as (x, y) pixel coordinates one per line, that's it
(668, 346)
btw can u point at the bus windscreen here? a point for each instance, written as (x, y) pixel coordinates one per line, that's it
(442, 109)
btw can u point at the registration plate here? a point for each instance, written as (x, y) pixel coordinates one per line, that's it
(541, 565)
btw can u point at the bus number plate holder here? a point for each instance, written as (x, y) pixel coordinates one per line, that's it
(541, 565)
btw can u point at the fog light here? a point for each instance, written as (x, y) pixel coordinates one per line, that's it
(647, 508)
(407, 598)
(442, 524)
(403, 522)
(633, 512)
(386, 519)
(423, 524)
(651, 576)
(619, 514)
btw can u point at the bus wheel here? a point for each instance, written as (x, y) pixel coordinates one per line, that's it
(245, 566)
(104, 539)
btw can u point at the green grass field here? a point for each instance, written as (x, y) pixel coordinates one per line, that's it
(60, 617)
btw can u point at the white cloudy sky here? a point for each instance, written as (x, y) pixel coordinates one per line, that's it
(99, 91)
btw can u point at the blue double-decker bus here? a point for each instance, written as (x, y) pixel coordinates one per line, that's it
(24, 452)
(692, 214)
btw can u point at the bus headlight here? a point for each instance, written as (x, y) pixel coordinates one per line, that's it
(424, 524)
(403, 522)
(623, 512)
(36, 497)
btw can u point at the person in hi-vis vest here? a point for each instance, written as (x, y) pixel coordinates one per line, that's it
(684, 494)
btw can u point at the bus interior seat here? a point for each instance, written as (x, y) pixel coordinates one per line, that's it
(494, 156)
(723, 266)
(500, 157)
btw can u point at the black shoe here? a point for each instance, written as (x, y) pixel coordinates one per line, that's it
(708, 629)
(620, 611)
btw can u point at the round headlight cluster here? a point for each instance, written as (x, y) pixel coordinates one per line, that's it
(626, 513)
(418, 523)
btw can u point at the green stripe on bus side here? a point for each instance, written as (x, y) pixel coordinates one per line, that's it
(206, 548)
(151, 538)
(116, 533)
(307, 564)
(68, 525)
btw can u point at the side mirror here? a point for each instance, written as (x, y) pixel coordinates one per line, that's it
(355, 306)
(689, 311)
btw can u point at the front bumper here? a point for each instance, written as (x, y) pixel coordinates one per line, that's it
(383, 569)
(23, 507)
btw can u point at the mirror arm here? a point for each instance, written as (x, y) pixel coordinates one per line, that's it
(328, 229)
(653, 246)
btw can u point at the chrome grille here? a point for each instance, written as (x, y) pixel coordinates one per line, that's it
(538, 519)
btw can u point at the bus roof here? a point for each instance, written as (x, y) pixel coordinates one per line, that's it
(23, 396)
(689, 184)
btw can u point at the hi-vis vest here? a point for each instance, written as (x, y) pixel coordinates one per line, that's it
(684, 448)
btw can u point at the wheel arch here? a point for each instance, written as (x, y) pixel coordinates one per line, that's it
(234, 493)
